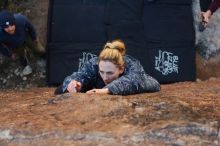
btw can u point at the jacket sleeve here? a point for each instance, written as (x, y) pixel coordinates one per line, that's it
(86, 76)
(5, 50)
(214, 6)
(135, 80)
(30, 28)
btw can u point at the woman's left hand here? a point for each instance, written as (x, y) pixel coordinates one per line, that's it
(98, 91)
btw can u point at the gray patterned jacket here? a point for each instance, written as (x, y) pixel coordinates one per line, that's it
(133, 80)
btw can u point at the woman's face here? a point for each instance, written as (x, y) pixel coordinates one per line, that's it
(10, 29)
(109, 71)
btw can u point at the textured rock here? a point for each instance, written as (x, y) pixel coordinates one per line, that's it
(207, 45)
(180, 114)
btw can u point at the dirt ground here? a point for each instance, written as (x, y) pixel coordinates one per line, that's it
(181, 114)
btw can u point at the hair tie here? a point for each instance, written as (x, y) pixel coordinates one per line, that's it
(109, 45)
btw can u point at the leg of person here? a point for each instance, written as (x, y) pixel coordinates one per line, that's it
(24, 59)
(38, 51)
(20, 52)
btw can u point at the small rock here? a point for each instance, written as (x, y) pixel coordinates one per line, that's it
(28, 86)
(216, 142)
(198, 80)
(4, 81)
(28, 11)
(161, 105)
(180, 142)
(139, 110)
(214, 124)
(212, 79)
(42, 76)
(16, 72)
(27, 70)
(5, 134)
(11, 70)
(41, 63)
(24, 78)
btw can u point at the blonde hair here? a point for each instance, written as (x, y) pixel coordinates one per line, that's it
(113, 51)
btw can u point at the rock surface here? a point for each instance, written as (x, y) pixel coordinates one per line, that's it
(207, 45)
(181, 114)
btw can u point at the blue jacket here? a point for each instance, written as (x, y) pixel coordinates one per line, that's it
(133, 80)
(23, 27)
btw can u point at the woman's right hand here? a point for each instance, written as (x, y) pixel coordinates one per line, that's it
(74, 86)
(206, 16)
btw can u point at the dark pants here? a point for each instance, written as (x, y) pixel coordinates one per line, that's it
(29, 47)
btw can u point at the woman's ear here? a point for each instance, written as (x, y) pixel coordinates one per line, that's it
(121, 69)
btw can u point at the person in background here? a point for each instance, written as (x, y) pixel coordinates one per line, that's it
(113, 72)
(211, 9)
(17, 33)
